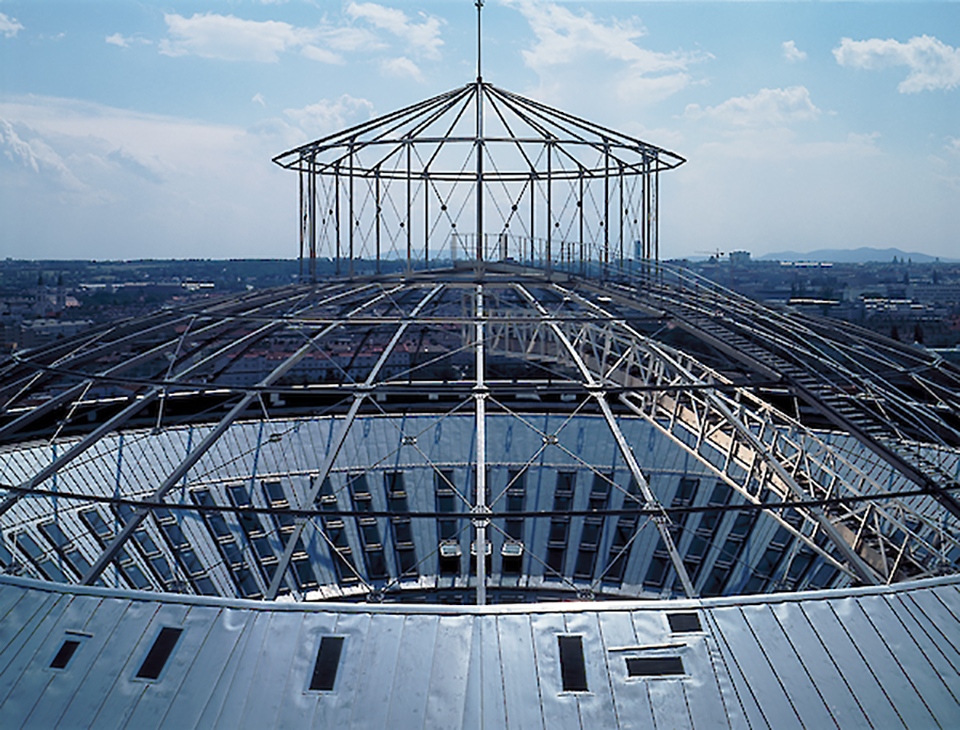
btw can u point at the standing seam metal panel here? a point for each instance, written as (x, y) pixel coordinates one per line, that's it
(729, 700)
(869, 694)
(910, 659)
(239, 689)
(204, 677)
(61, 685)
(449, 673)
(272, 669)
(630, 699)
(408, 700)
(885, 666)
(159, 696)
(118, 646)
(332, 709)
(27, 642)
(380, 652)
(743, 692)
(805, 696)
(237, 625)
(521, 683)
(126, 692)
(831, 684)
(596, 707)
(560, 709)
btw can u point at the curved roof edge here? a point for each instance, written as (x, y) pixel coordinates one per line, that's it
(86, 657)
(502, 608)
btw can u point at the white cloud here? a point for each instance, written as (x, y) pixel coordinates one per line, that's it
(277, 134)
(792, 53)
(229, 38)
(401, 67)
(566, 40)
(232, 39)
(351, 38)
(258, 98)
(768, 107)
(932, 63)
(36, 155)
(119, 40)
(114, 178)
(326, 117)
(15, 149)
(9, 26)
(149, 170)
(773, 146)
(315, 53)
(423, 37)
(953, 145)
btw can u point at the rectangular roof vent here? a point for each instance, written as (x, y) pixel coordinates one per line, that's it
(328, 661)
(65, 654)
(572, 667)
(511, 549)
(450, 549)
(684, 623)
(159, 653)
(654, 666)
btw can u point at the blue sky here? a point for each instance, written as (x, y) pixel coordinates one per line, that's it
(145, 129)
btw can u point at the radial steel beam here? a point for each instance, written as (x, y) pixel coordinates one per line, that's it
(194, 456)
(281, 570)
(596, 390)
(164, 347)
(710, 414)
(118, 419)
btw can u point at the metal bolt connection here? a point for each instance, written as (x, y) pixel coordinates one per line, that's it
(480, 521)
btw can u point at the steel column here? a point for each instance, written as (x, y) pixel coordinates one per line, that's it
(480, 507)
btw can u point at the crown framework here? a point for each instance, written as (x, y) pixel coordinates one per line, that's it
(482, 174)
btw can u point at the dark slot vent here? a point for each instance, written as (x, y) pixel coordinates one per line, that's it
(684, 623)
(654, 666)
(63, 657)
(159, 653)
(572, 668)
(328, 660)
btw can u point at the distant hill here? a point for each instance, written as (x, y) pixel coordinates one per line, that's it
(853, 256)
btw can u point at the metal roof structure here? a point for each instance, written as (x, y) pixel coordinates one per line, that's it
(233, 512)
(880, 657)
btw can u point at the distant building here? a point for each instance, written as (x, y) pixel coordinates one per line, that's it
(38, 332)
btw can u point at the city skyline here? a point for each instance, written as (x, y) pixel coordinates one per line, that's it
(146, 131)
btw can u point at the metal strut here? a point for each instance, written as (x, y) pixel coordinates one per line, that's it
(480, 509)
(193, 457)
(300, 523)
(597, 391)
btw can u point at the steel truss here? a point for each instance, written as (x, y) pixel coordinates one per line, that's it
(510, 335)
(765, 455)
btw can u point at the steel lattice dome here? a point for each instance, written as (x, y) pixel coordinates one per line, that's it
(536, 418)
(642, 436)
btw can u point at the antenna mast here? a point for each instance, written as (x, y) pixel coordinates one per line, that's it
(479, 4)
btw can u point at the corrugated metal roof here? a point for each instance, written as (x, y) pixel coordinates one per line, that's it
(882, 657)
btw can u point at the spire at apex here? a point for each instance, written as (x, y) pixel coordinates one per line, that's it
(479, 4)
